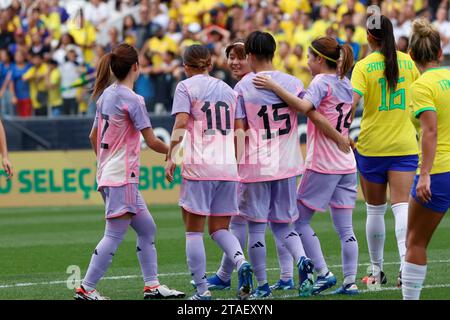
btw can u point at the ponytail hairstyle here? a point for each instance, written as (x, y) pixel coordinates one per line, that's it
(383, 34)
(119, 61)
(339, 57)
(425, 43)
(197, 57)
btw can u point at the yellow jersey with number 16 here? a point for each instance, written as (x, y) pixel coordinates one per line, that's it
(385, 126)
(432, 92)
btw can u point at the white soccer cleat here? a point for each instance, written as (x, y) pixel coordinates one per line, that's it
(161, 292)
(82, 294)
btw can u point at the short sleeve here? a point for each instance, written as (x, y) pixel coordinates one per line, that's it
(28, 74)
(316, 91)
(359, 81)
(421, 99)
(297, 87)
(95, 124)
(181, 100)
(138, 114)
(240, 110)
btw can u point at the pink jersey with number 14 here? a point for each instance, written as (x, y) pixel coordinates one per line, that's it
(333, 98)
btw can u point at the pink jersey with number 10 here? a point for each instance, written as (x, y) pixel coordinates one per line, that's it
(120, 116)
(333, 98)
(209, 152)
(273, 148)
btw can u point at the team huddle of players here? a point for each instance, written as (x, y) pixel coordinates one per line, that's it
(241, 159)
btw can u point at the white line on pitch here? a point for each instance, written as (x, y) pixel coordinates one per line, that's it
(29, 284)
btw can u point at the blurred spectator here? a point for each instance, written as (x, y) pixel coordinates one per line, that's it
(349, 34)
(353, 6)
(173, 30)
(403, 44)
(20, 89)
(67, 43)
(38, 46)
(6, 32)
(144, 85)
(53, 82)
(298, 63)
(320, 26)
(114, 39)
(19, 42)
(402, 25)
(6, 64)
(97, 12)
(162, 29)
(38, 88)
(359, 35)
(281, 58)
(84, 34)
(69, 75)
(145, 28)
(159, 44)
(129, 30)
(443, 25)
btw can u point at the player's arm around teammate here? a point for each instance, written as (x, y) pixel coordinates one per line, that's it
(345, 62)
(329, 179)
(4, 152)
(430, 194)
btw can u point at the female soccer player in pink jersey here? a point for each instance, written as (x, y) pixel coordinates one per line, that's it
(120, 120)
(271, 163)
(221, 280)
(207, 115)
(329, 179)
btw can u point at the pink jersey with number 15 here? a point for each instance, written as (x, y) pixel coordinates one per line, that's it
(273, 148)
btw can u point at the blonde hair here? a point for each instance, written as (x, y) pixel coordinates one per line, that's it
(425, 42)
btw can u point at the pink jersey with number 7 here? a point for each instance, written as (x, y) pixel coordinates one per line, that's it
(121, 115)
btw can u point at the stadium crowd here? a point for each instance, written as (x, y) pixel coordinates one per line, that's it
(49, 54)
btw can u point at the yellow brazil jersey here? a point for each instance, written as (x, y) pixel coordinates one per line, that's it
(432, 92)
(53, 23)
(54, 93)
(319, 29)
(189, 12)
(159, 46)
(385, 126)
(298, 67)
(36, 77)
(84, 37)
(343, 8)
(289, 6)
(360, 35)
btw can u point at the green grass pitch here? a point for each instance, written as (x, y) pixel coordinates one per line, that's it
(37, 246)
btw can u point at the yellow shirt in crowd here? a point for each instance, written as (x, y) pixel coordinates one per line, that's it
(54, 93)
(36, 77)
